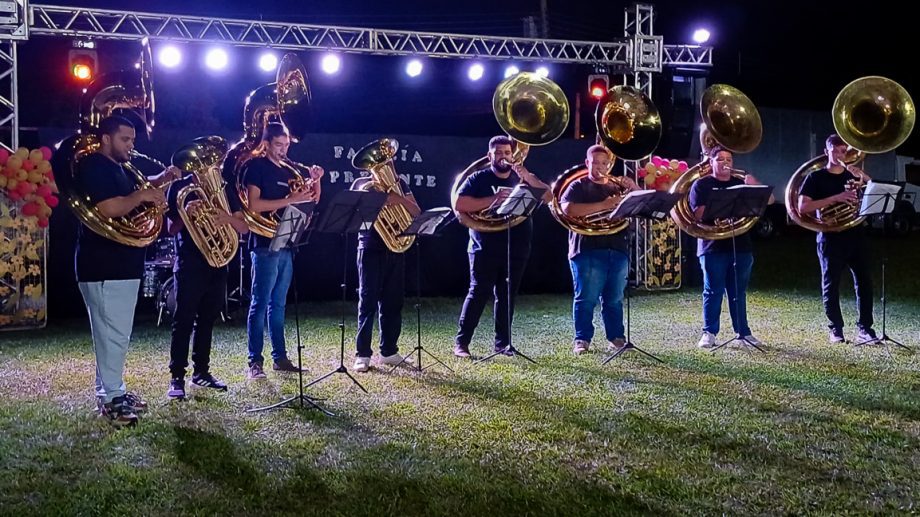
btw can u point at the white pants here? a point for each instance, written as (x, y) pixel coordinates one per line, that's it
(110, 305)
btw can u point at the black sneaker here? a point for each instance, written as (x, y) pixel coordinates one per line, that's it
(462, 351)
(119, 413)
(866, 337)
(134, 400)
(284, 365)
(176, 389)
(835, 335)
(206, 380)
(505, 350)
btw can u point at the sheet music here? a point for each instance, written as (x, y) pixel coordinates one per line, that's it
(518, 201)
(746, 186)
(618, 213)
(878, 198)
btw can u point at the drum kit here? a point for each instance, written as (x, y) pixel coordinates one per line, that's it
(158, 283)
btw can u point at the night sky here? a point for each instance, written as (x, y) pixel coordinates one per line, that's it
(781, 54)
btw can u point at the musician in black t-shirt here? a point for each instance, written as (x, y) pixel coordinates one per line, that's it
(381, 286)
(599, 263)
(268, 184)
(488, 250)
(848, 249)
(726, 264)
(108, 272)
(200, 290)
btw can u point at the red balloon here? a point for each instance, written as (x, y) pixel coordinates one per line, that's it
(52, 201)
(14, 195)
(29, 209)
(46, 152)
(4, 156)
(43, 223)
(24, 187)
(27, 165)
(43, 191)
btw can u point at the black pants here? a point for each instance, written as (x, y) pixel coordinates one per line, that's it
(488, 279)
(835, 256)
(199, 299)
(381, 286)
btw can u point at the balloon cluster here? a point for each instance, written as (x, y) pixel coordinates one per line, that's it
(26, 176)
(659, 173)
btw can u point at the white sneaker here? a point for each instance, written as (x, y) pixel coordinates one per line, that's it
(753, 340)
(393, 360)
(707, 340)
(362, 364)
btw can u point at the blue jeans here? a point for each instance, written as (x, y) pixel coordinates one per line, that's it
(719, 278)
(599, 274)
(271, 277)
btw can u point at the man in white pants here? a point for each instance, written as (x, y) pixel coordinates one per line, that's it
(108, 272)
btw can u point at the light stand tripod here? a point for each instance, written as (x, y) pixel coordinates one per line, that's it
(349, 212)
(522, 202)
(428, 223)
(646, 204)
(732, 203)
(290, 229)
(887, 200)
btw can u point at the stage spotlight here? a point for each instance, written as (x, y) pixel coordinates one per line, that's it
(268, 62)
(216, 59)
(414, 68)
(82, 64)
(475, 72)
(170, 57)
(82, 72)
(542, 71)
(598, 84)
(331, 63)
(701, 36)
(511, 70)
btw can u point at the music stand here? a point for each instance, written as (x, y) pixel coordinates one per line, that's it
(427, 224)
(294, 221)
(881, 198)
(730, 203)
(349, 211)
(643, 204)
(522, 202)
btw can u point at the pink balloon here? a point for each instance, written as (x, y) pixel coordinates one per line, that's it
(4, 156)
(43, 223)
(29, 209)
(682, 166)
(51, 201)
(46, 152)
(656, 160)
(43, 191)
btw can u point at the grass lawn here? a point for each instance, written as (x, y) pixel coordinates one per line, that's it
(805, 428)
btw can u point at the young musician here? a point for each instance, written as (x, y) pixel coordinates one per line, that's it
(268, 184)
(599, 264)
(848, 249)
(726, 264)
(200, 290)
(108, 272)
(381, 287)
(488, 250)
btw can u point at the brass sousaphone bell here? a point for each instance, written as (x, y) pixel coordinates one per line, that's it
(532, 110)
(732, 121)
(629, 125)
(872, 115)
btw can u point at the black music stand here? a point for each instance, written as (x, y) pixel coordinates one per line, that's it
(522, 202)
(291, 228)
(427, 224)
(643, 204)
(350, 211)
(882, 202)
(732, 203)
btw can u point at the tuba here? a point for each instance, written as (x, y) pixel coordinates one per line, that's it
(202, 158)
(377, 158)
(287, 100)
(872, 115)
(731, 120)
(533, 111)
(629, 125)
(132, 90)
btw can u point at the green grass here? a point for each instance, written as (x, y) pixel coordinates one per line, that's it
(806, 428)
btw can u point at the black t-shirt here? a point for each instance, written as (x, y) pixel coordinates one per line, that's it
(272, 181)
(98, 258)
(483, 183)
(369, 239)
(822, 184)
(188, 255)
(583, 190)
(699, 196)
